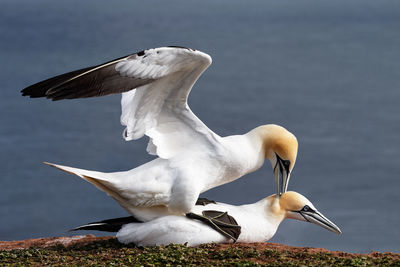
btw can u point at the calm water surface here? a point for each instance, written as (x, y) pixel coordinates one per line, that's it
(326, 70)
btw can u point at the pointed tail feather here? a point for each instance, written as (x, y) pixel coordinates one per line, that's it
(98, 179)
(110, 225)
(79, 172)
(103, 181)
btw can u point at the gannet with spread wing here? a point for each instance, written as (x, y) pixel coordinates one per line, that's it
(155, 85)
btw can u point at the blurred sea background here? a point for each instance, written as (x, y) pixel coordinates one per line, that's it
(326, 70)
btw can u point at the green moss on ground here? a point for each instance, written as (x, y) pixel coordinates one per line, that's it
(112, 253)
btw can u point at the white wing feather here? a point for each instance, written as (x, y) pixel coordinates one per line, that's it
(159, 109)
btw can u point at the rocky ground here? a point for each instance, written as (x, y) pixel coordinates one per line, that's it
(106, 251)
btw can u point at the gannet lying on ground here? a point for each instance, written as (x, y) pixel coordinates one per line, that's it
(191, 158)
(258, 223)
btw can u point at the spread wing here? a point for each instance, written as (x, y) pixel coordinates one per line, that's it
(162, 79)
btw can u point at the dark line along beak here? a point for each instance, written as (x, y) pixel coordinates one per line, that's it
(314, 216)
(282, 175)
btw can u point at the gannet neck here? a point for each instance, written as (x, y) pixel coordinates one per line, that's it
(276, 140)
(274, 213)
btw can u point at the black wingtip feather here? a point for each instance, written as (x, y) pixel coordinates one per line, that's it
(110, 225)
(40, 89)
(94, 81)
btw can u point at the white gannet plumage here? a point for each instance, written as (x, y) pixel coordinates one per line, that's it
(191, 157)
(259, 222)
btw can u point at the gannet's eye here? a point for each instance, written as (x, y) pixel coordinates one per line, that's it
(286, 163)
(307, 208)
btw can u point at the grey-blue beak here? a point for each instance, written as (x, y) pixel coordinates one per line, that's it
(315, 217)
(281, 174)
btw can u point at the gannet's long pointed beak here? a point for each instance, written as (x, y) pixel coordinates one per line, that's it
(277, 174)
(281, 172)
(285, 180)
(314, 216)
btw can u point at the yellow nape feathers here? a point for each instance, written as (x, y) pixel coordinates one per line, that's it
(276, 139)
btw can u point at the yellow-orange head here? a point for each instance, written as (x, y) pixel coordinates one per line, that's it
(280, 147)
